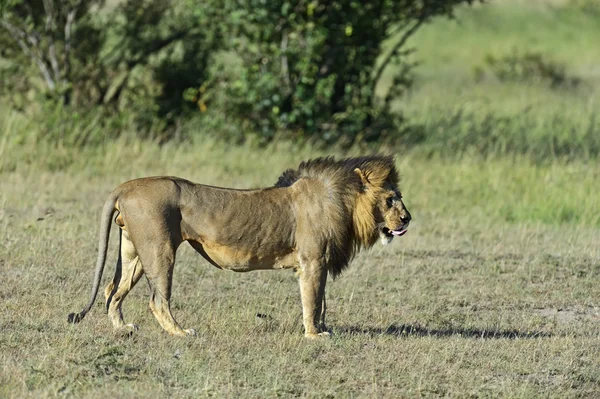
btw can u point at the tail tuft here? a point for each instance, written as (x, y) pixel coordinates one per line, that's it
(74, 318)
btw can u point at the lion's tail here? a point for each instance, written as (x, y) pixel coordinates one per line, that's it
(107, 213)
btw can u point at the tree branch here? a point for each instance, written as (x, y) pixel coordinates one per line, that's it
(53, 60)
(50, 27)
(67, 61)
(159, 45)
(407, 34)
(50, 15)
(22, 38)
(285, 72)
(71, 15)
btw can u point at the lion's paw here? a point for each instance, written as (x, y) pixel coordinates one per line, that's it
(190, 332)
(321, 335)
(127, 330)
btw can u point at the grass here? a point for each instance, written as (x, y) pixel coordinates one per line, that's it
(459, 106)
(492, 293)
(483, 297)
(563, 32)
(502, 189)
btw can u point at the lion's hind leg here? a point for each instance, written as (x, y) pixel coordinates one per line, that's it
(128, 273)
(159, 272)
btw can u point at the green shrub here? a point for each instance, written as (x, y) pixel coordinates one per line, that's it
(312, 67)
(587, 6)
(130, 62)
(530, 67)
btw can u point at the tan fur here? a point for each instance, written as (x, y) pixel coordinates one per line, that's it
(313, 221)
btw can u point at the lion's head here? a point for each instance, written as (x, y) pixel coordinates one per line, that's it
(364, 190)
(395, 216)
(380, 211)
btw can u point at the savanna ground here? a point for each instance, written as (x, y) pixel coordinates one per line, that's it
(494, 292)
(478, 299)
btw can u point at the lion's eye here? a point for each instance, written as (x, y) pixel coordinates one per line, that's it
(390, 202)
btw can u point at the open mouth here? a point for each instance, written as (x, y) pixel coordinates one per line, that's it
(392, 233)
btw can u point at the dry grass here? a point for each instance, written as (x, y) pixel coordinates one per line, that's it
(492, 293)
(464, 305)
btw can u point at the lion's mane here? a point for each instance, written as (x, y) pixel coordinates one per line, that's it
(349, 205)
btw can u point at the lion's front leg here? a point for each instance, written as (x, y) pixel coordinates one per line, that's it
(313, 276)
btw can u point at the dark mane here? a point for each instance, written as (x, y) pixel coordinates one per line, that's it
(347, 203)
(325, 166)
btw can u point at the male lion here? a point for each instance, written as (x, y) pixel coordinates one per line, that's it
(313, 221)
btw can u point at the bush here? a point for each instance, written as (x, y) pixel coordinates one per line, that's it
(305, 66)
(531, 67)
(312, 67)
(588, 6)
(131, 62)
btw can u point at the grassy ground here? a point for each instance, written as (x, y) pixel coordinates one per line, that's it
(462, 106)
(492, 293)
(472, 302)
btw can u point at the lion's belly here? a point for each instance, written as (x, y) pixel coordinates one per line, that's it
(242, 260)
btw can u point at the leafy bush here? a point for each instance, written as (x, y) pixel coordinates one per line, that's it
(312, 67)
(306, 66)
(588, 6)
(531, 67)
(129, 62)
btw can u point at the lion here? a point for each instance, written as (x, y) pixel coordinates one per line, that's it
(313, 220)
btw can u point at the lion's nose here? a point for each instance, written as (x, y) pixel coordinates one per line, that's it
(406, 217)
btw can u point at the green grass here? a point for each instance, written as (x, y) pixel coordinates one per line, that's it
(460, 107)
(504, 189)
(451, 48)
(492, 293)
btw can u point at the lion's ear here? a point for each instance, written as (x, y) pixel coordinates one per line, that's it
(363, 177)
(375, 175)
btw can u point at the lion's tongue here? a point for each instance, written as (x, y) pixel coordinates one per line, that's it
(399, 232)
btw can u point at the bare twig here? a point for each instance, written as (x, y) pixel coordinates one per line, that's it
(50, 27)
(68, 40)
(284, 62)
(407, 34)
(53, 60)
(22, 38)
(50, 15)
(71, 15)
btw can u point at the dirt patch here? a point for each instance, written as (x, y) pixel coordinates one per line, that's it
(570, 315)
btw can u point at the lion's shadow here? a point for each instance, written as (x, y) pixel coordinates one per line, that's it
(407, 330)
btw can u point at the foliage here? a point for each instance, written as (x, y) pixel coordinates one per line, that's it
(44, 32)
(164, 47)
(128, 78)
(587, 6)
(136, 58)
(532, 67)
(313, 66)
(306, 66)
